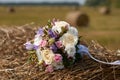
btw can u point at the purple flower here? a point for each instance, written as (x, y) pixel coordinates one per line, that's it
(35, 47)
(40, 31)
(53, 48)
(28, 45)
(52, 34)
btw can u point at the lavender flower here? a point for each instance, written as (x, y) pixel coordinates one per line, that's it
(40, 31)
(53, 48)
(28, 45)
(52, 34)
(35, 47)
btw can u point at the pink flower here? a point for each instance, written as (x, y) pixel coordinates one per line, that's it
(49, 68)
(59, 44)
(57, 58)
(43, 43)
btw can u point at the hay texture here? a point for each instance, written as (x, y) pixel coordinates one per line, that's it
(13, 38)
(77, 18)
(14, 66)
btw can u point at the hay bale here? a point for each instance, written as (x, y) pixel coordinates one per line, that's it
(14, 62)
(11, 9)
(104, 10)
(85, 69)
(77, 18)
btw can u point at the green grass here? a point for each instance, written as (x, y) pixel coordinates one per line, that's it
(29, 14)
(104, 29)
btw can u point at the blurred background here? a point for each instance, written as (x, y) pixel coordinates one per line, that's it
(95, 19)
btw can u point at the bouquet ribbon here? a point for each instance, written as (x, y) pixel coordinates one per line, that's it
(83, 50)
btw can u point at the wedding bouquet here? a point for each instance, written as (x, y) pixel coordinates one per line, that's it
(55, 46)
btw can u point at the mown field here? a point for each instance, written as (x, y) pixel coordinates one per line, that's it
(103, 28)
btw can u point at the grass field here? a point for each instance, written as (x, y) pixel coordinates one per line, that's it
(104, 29)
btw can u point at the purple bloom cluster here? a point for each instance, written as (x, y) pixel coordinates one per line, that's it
(52, 34)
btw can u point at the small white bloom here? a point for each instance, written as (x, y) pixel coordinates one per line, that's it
(73, 31)
(58, 25)
(38, 53)
(118, 52)
(71, 50)
(45, 27)
(37, 40)
(58, 65)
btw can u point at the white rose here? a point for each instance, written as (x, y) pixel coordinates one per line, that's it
(47, 56)
(69, 38)
(71, 50)
(58, 26)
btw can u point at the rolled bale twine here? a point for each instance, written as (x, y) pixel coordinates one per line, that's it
(78, 18)
(104, 10)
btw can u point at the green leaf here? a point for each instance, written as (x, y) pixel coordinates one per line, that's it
(49, 24)
(51, 41)
(31, 52)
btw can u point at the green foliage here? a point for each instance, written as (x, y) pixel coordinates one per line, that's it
(67, 61)
(49, 23)
(32, 57)
(98, 2)
(117, 3)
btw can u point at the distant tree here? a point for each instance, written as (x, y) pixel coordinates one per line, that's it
(117, 3)
(98, 2)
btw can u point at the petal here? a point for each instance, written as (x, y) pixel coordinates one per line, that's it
(73, 31)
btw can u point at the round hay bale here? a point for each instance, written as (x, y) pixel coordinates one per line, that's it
(11, 9)
(104, 10)
(77, 18)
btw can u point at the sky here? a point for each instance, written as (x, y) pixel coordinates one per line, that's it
(17, 1)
